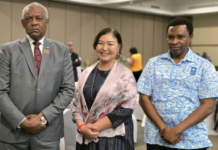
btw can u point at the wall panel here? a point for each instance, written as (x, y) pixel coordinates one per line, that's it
(138, 28)
(127, 32)
(102, 19)
(17, 29)
(205, 30)
(148, 36)
(88, 34)
(205, 36)
(57, 23)
(73, 26)
(115, 19)
(5, 25)
(158, 35)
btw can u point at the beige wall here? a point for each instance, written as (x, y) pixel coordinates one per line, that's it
(206, 36)
(80, 24)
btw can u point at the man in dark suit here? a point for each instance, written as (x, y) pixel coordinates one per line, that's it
(36, 85)
(75, 60)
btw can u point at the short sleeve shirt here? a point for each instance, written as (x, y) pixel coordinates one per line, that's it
(176, 91)
(137, 65)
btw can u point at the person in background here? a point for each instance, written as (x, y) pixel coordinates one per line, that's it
(177, 92)
(36, 85)
(205, 56)
(75, 60)
(79, 70)
(135, 62)
(105, 99)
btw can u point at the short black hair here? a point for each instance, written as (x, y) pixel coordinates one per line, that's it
(181, 21)
(133, 50)
(115, 33)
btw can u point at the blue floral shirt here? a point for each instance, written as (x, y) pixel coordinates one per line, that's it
(176, 91)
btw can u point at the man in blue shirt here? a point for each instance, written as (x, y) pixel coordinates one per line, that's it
(177, 92)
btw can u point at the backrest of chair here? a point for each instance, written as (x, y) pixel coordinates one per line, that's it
(70, 130)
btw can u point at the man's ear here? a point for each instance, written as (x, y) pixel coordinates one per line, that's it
(23, 23)
(191, 37)
(47, 21)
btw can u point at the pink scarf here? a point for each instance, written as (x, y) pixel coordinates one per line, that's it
(118, 90)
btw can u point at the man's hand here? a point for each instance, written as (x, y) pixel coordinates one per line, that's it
(33, 124)
(89, 131)
(171, 135)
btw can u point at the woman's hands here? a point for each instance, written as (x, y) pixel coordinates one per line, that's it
(89, 131)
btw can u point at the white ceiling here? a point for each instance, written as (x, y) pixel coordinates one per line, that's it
(159, 7)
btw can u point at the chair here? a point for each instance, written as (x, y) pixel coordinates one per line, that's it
(135, 128)
(138, 112)
(62, 144)
(70, 131)
(143, 121)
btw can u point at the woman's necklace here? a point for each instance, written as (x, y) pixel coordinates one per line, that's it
(93, 82)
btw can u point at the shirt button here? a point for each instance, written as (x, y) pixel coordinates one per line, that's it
(38, 90)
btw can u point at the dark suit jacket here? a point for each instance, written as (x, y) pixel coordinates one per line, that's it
(75, 64)
(23, 92)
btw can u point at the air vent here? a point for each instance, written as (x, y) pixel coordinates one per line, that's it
(203, 6)
(156, 7)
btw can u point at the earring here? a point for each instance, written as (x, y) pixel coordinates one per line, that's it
(118, 53)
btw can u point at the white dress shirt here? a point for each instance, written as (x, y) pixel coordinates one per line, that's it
(32, 45)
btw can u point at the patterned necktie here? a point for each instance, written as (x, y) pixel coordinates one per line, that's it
(37, 56)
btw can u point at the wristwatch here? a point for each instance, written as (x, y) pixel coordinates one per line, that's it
(43, 120)
(78, 130)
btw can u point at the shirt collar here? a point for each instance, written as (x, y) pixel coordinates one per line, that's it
(31, 40)
(189, 56)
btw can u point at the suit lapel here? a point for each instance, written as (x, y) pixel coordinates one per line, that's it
(26, 49)
(46, 54)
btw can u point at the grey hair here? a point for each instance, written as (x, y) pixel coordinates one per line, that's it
(33, 5)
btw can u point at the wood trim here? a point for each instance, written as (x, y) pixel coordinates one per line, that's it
(204, 45)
